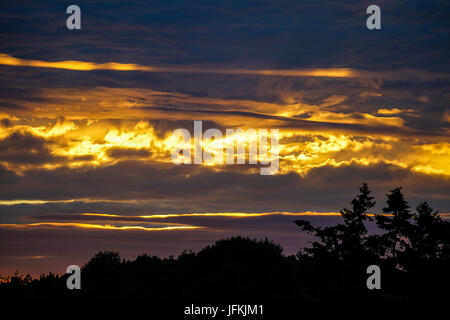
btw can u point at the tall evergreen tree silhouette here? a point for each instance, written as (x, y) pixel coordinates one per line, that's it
(338, 260)
(347, 240)
(396, 221)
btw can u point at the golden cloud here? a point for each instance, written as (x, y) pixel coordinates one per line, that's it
(6, 59)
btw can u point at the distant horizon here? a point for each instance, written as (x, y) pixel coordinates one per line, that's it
(288, 245)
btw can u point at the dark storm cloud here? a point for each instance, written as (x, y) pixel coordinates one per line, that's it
(200, 189)
(7, 176)
(293, 123)
(25, 148)
(280, 34)
(128, 153)
(8, 105)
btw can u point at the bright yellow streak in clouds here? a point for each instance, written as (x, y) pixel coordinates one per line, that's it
(432, 159)
(356, 118)
(332, 72)
(393, 111)
(235, 215)
(6, 59)
(141, 136)
(18, 201)
(320, 114)
(99, 226)
(219, 214)
(38, 201)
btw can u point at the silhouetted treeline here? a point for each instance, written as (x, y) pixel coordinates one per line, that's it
(412, 250)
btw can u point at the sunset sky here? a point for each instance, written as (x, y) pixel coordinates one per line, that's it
(86, 118)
